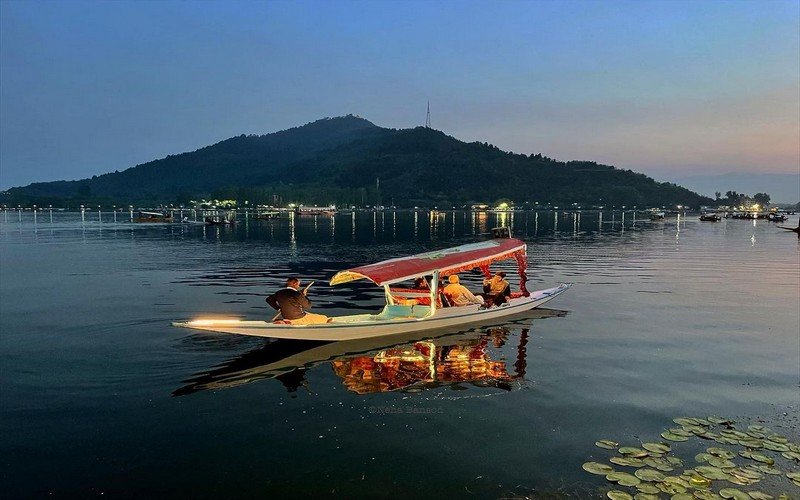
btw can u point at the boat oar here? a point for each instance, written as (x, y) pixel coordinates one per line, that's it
(305, 292)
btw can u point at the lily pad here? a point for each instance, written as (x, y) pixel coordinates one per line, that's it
(759, 495)
(598, 468)
(748, 473)
(766, 469)
(733, 493)
(758, 457)
(623, 479)
(669, 436)
(648, 488)
(706, 495)
(791, 455)
(739, 480)
(659, 447)
(773, 446)
(649, 475)
(660, 463)
(698, 481)
(793, 475)
(710, 472)
(627, 462)
(702, 457)
(682, 496)
(607, 444)
(734, 433)
(632, 452)
(645, 496)
(671, 488)
(776, 438)
(722, 463)
(752, 443)
(619, 495)
(721, 452)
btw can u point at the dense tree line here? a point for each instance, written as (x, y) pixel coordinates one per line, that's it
(350, 161)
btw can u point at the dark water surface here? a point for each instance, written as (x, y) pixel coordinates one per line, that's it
(100, 395)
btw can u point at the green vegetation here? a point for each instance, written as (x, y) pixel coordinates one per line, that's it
(752, 455)
(350, 161)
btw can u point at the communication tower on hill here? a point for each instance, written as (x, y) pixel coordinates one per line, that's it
(428, 116)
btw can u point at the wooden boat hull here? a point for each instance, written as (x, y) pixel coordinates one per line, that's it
(368, 326)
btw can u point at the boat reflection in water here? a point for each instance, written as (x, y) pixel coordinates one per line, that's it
(406, 364)
(425, 364)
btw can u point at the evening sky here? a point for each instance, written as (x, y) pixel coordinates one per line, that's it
(666, 88)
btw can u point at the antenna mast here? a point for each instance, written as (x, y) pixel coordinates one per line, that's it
(428, 117)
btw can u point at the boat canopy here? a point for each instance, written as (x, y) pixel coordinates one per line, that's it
(447, 261)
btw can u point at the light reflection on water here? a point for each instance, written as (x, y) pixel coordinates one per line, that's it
(666, 318)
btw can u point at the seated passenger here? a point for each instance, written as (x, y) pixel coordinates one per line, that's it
(496, 289)
(294, 305)
(420, 284)
(458, 294)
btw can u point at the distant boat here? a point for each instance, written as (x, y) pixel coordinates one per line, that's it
(315, 210)
(776, 217)
(153, 217)
(266, 215)
(216, 220)
(657, 216)
(710, 218)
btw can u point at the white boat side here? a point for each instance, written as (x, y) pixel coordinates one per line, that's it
(393, 320)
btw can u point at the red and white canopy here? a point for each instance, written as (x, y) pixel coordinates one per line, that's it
(447, 261)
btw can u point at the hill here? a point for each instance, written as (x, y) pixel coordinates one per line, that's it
(349, 160)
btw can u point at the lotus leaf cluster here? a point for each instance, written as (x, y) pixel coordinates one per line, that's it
(729, 470)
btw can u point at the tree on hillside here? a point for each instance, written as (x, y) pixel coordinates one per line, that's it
(734, 199)
(761, 198)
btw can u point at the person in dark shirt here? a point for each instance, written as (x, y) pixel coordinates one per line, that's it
(294, 305)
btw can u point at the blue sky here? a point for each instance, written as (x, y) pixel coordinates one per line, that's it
(666, 88)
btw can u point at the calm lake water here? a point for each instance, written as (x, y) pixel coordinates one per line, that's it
(100, 395)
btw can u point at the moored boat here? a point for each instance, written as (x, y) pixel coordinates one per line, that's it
(315, 210)
(217, 220)
(776, 217)
(153, 217)
(406, 311)
(710, 218)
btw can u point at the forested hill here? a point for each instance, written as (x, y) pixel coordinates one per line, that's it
(340, 160)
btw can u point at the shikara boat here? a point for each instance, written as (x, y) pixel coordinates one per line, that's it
(286, 360)
(710, 218)
(406, 310)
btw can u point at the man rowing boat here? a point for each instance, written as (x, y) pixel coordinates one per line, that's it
(293, 305)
